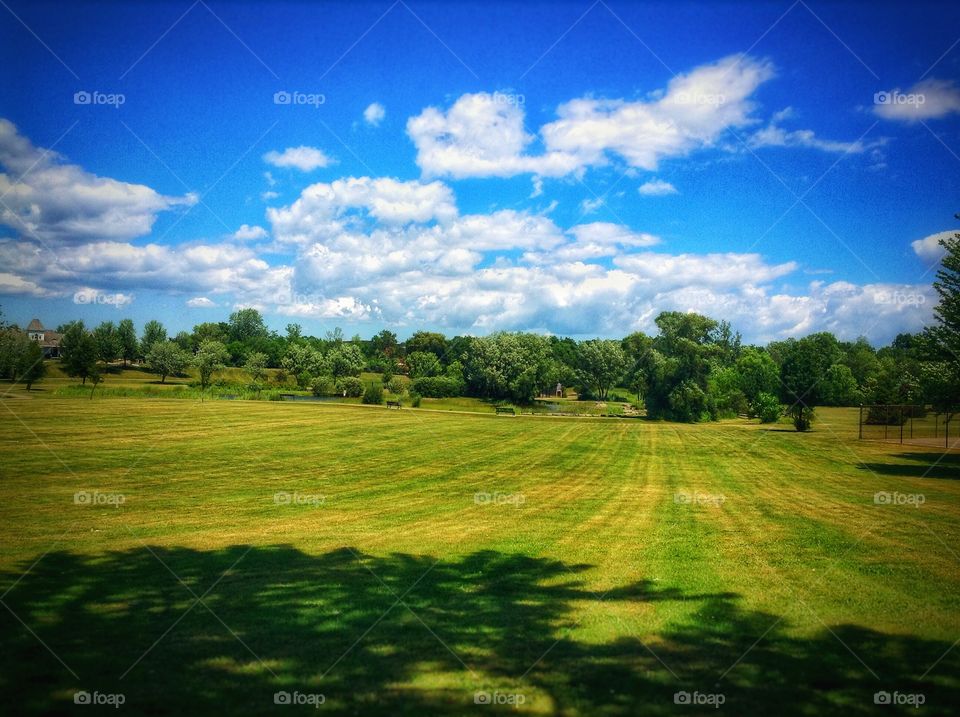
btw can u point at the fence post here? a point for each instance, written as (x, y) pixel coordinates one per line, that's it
(860, 424)
(901, 425)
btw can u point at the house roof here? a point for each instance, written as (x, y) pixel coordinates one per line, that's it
(35, 325)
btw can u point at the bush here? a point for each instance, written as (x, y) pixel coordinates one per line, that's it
(415, 399)
(396, 385)
(350, 386)
(438, 387)
(766, 407)
(802, 418)
(373, 394)
(321, 385)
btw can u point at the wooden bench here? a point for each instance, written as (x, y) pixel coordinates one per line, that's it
(393, 404)
(506, 410)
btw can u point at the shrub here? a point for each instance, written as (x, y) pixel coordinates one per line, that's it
(396, 385)
(766, 407)
(415, 399)
(438, 387)
(802, 417)
(321, 385)
(373, 394)
(350, 386)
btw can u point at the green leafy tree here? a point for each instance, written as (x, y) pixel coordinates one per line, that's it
(839, 387)
(430, 341)
(256, 366)
(167, 359)
(601, 364)
(30, 365)
(79, 352)
(805, 365)
(758, 373)
(211, 356)
(345, 359)
(246, 325)
(108, 341)
(422, 363)
(153, 332)
(127, 336)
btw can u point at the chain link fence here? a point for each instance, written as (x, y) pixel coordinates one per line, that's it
(910, 424)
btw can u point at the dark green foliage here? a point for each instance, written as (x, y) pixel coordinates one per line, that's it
(373, 394)
(438, 387)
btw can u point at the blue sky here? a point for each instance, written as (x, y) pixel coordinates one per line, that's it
(573, 168)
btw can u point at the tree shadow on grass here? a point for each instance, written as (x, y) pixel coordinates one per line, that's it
(922, 465)
(405, 634)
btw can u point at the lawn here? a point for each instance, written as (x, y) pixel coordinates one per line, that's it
(201, 558)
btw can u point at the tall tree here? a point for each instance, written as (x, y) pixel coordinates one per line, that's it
(167, 358)
(127, 335)
(30, 367)
(153, 332)
(210, 357)
(79, 352)
(246, 324)
(601, 364)
(108, 342)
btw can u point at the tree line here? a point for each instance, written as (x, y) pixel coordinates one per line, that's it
(694, 368)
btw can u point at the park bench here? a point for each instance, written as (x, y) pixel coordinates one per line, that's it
(393, 404)
(506, 410)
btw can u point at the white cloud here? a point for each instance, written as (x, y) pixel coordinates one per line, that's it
(656, 188)
(483, 134)
(589, 206)
(306, 159)
(269, 195)
(929, 248)
(775, 136)
(374, 114)
(200, 302)
(927, 99)
(48, 199)
(250, 233)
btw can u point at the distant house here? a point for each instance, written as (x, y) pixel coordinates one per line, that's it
(49, 340)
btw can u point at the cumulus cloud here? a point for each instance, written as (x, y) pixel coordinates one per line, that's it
(927, 99)
(250, 233)
(929, 248)
(374, 114)
(200, 302)
(483, 134)
(306, 159)
(656, 188)
(46, 198)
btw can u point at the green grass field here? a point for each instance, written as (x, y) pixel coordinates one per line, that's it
(198, 558)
